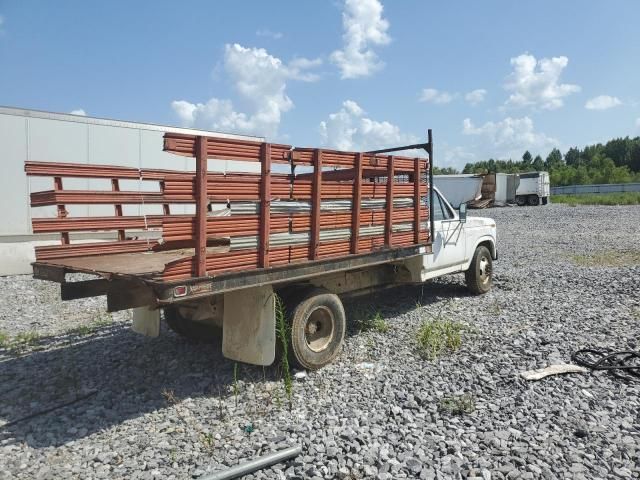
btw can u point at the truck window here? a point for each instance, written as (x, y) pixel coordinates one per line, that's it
(440, 210)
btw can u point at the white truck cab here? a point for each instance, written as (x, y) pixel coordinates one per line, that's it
(460, 244)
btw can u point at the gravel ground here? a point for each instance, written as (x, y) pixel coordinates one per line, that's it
(167, 408)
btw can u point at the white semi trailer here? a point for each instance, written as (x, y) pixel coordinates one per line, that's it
(533, 189)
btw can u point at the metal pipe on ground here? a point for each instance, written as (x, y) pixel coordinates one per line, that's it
(255, 464)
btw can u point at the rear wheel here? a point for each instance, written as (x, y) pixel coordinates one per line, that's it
(521, 200)
(479, 275)
(534, 200)
(188, 321)
(318, 325)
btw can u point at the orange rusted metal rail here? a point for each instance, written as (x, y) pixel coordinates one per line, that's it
(213, 240)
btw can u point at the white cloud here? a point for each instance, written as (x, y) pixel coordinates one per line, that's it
(535, 82)
(265, 32)
(78, 111)
(602, 102)
(431, 95)
(476, 96)
(363, 27)
(510, 137)
(349, 129)
(260, 80)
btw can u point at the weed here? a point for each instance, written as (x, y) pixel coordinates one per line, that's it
(372, 321)
(207, 439)
(282, 331)
(607, 259)
(496, 309)
(635, 313)
(236, 389)
(169, 396)
(4, 340)
(458, 405)
(437, 336)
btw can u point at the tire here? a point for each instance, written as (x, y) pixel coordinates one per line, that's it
(318, 325)
(533, 200)
(521, 200)
(545, 200)
(479, 275)
(202, 332)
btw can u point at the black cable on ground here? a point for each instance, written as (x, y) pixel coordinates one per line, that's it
(624, 364)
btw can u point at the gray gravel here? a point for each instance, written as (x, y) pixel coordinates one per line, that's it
(167, 408)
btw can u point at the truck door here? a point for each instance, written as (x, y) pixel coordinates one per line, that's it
(449, 239)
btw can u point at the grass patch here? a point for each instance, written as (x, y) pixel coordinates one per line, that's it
(620, 198)
(607, 259)
(104, 320)
(438, 336)
(371, 321)
(20, 342)
(458, 405)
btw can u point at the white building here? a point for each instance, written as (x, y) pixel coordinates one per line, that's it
(56, 137)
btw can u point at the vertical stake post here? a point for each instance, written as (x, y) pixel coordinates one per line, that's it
(115, 186)
(430, 167)
(416, 200)
(315, 205)
(355, 203)
(388, 219)
(62, 210)
(265, 204)
(201, 206)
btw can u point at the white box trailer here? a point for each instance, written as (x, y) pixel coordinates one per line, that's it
(460, 188)
(534, 189)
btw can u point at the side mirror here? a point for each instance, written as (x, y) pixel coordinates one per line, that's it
(462, 214)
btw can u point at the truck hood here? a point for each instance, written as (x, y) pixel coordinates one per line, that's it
(480, 222)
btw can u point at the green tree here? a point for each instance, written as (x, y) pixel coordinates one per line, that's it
(572, 157)
(538, 164)
(526, 159)
(554, 159)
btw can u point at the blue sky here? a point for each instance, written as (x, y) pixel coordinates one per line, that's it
(491, 78)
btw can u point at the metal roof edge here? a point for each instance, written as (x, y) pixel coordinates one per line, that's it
(68, 117)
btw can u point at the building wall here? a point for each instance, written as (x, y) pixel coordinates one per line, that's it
(49, 137)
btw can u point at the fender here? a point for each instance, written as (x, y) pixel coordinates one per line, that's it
(492, 248)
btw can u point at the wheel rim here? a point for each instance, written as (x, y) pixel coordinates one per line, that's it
(319, 328)
(485, 269)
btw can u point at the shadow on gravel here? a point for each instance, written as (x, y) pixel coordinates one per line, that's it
(131, 375)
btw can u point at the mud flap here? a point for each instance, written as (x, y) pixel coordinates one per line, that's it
(146, 321)
(249, 325)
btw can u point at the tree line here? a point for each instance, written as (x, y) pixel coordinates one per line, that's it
(617, 161)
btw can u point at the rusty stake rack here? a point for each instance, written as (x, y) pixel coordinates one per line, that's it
(341, 204)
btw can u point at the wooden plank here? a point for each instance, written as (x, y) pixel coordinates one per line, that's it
(265, 205)
(416, 201)
(356, 203)
(315, 205)
(388, 219)
(201, 207)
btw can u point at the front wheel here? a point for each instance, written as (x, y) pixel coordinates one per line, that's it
(479, 275)
(318, 325)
